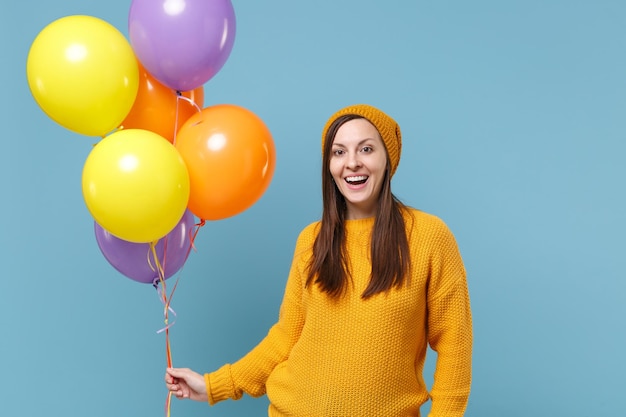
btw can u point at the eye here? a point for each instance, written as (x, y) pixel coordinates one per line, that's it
(367, 149)
(338, 152)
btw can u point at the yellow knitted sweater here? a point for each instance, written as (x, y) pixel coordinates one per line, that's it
(353, 357)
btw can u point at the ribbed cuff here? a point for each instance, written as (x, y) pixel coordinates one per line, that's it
(219, 385)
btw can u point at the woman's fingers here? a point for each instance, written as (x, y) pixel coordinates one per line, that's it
(185, 383)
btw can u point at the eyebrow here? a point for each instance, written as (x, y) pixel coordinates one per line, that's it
(361, 142)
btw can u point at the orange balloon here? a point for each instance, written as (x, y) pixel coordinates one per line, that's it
(155, 106)
(230, 156)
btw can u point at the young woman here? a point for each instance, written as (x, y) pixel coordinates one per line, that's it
(371, 286)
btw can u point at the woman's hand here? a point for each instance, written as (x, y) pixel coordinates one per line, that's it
(185, 383)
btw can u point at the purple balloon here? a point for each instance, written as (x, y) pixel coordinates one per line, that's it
(182, 43)
(134, 260)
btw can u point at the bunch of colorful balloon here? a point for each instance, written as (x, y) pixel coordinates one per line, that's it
(163, 158)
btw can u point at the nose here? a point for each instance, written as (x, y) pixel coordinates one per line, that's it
(353, 161)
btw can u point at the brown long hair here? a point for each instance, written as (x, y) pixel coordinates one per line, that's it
(329, 267)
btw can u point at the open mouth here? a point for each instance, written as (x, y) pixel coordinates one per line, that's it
(357, 180)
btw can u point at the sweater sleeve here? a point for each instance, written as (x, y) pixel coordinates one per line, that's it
(249, 374)
(449, 327)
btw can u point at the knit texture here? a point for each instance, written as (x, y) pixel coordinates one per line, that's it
(352, 357)
(387, 127)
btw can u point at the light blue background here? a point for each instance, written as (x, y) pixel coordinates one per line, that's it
(513, 118)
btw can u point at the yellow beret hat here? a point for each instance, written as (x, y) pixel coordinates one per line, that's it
(387, 127)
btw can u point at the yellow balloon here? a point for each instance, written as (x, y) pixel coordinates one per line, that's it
(135, 185)
(83, 74)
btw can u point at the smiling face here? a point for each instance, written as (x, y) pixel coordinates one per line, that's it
(358, 162)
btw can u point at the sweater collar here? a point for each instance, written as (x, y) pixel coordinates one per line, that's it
(358, 225)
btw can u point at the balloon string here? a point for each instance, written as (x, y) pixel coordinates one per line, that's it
(178, 96)
(192, 237)
(166, 300)
(167, 309)
(158, 266)
(168, 404)
(160, 286)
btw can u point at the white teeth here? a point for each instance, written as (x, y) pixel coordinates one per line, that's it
(356, 179)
